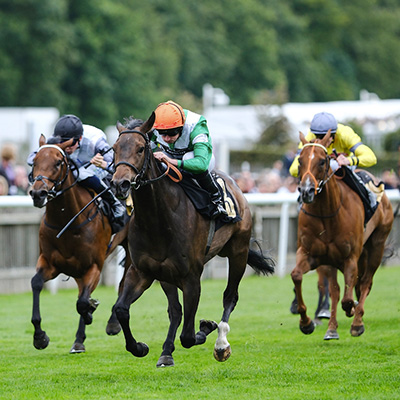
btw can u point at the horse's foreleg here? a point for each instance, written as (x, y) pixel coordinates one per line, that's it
(43, 274)
(78, 346)
(191, 297)
(307, 326)
(113, 327)
(134, 287)
(40, 339)
(334, 291)
(175, 318)
(86, 305)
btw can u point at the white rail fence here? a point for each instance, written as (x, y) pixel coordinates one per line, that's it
(274, 224)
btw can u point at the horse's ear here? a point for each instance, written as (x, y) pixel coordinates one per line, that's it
(147, 125)
(326, 139)
(42, 140)
(120, 127)
(66, 144)
(302, 138)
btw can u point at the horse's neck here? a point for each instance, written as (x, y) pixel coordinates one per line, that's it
(157, 201)
(331, 196)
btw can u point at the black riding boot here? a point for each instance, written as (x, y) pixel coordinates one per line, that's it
(206, 182)
(119, 216)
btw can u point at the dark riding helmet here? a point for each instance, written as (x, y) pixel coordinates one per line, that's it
(322, 122)
(68, 127)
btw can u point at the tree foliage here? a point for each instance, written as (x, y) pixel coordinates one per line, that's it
(106, 59)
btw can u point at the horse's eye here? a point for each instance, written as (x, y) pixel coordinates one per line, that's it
(141, 150)
(322, 163)
(58, 163)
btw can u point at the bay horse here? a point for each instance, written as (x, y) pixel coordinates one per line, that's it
(331, 232)
(81, 251)
(168, 242)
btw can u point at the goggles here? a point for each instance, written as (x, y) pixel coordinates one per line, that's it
(170, 132)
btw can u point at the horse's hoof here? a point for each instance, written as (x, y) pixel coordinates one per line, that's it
(308, 329)
(165, 361)
(357, 330)
(325, 313)
(331, 334)
(222, 355)
(41, 341)
(77, 348)
(201, 337)
(113, 328)
(207, 326)
(141, 350)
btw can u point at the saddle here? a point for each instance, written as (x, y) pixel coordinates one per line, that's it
(362, 183)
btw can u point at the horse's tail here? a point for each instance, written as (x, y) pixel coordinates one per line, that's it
(261, 263)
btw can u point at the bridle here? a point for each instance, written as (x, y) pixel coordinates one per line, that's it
(139, 180)
(318, 185)
(52, 193)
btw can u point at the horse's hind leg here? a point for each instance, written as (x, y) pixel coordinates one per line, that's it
(322, 310)
(368, 264)
(175, 318)
(334, 291)
(237, 267)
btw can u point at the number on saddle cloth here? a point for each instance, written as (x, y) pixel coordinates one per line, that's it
(201, 199)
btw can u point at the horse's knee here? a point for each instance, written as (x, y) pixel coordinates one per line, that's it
(121, 312)
(37, 282)
(83, 308)
(296, 276)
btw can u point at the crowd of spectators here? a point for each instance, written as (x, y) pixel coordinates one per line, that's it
(13, 176)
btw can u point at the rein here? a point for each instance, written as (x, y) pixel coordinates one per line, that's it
(139, 180)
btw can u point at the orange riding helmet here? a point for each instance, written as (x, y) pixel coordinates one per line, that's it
(169, 115)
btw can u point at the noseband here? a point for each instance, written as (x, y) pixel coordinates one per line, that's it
(318, 185)
(58, 182)
(139, 180)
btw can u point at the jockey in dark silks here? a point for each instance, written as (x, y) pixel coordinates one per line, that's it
(91, 154)
(185, 142)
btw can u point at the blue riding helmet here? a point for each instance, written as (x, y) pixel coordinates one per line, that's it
(322, 122)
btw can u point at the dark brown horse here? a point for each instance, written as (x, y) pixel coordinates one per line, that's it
(331, 232)
(168, 240)
(81, 251)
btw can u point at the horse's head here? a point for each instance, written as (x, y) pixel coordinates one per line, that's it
(132, 155)
(313, 166)
(49, 171)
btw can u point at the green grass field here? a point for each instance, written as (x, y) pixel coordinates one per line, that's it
(271, 358)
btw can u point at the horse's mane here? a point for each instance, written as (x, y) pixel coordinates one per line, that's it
(132, 122)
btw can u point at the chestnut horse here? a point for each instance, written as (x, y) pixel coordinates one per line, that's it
(83, 248)
(331, 232)
(168, 241)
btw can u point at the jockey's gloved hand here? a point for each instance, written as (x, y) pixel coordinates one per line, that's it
(334, 165)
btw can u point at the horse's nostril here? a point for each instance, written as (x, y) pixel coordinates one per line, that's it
(125, 185)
